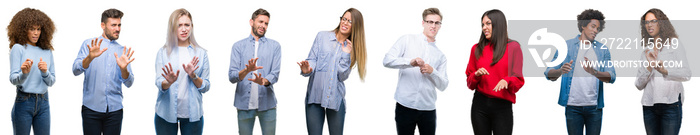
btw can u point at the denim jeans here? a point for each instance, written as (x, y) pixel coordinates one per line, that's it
(315, 116)
(31, 110)
(186, 127)
(663, 119)
(579, 116)
(246, 121)
(96, 123)
(407, 119)
(491, 115)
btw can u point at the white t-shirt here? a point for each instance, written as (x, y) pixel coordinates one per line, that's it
(253, 104)
(584, 86)
(183, 110)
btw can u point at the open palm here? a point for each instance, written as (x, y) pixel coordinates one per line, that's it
(125, 58)
(191, 67)
(168, 73)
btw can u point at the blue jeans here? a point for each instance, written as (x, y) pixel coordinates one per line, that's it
(96, 123)
(246, 121)
(579, 116)
(663, 119)
(186, 127)
(31, 110)
(315, 115)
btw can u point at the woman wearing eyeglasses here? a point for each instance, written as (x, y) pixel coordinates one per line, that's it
(495, 72)
(662, 101)
(330, 61)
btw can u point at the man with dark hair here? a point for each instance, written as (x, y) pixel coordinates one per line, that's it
(255, 66)
(422, 68)
(102, 111)
(581, 91)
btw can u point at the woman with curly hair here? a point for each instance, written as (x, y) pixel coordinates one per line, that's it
(662, 101)
(30, 33)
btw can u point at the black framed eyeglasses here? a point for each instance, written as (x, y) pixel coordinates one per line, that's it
(651, 22)
(438, 23)
(345, 20)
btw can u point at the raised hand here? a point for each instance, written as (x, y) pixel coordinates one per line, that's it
(417, 62)
(42, 65)
(566, 68)
(481, 71)
(27, 66)
(426, 69)
(258, 79)
(191, 67)
(95, 48)
(347, 48)
(125, 58)
(660, 67)
(168, 73)
(305, 67)
(503, 84)
(651, 57)
(251, 66)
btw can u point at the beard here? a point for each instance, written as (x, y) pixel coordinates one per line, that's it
(255, 32)
(110, 35)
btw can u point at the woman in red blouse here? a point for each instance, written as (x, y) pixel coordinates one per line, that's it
(495, 71)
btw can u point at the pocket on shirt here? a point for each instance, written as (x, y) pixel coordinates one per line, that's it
(322, 62)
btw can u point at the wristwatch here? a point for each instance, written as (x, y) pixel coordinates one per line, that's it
(195, 77)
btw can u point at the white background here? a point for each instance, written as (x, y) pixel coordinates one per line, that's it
(370, 105)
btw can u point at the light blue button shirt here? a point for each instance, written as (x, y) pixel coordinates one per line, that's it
(102, 86)
(269, 57)
(166, 104)
(35, 81)
(331, 66)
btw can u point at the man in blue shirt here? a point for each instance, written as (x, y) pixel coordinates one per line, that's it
(255, 66)
(102, 91)
(581, 89)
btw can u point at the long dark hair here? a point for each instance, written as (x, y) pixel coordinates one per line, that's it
(499, 35)
(666, 30)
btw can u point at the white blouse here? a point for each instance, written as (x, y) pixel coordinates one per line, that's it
(664, 89)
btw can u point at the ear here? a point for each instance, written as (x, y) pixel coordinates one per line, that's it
(251, 22)
(103, 25)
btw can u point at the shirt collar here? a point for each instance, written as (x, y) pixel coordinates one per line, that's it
(333, 38)
(262, 39)
(423, 37)
(106, 39)
(189, 46)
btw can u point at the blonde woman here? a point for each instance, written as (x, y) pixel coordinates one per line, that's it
(330, 61)
(180, 88)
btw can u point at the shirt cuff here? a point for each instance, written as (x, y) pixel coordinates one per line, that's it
(45, 74)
